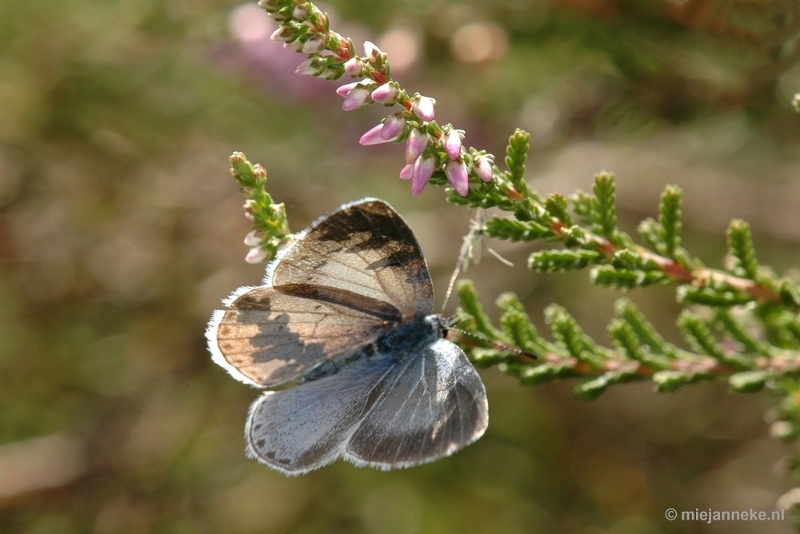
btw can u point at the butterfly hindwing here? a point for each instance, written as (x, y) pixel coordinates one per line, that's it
(376, 411)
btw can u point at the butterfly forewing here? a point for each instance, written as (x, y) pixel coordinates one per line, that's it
(365, 249)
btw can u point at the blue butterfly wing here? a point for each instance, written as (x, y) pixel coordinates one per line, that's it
(376, 411)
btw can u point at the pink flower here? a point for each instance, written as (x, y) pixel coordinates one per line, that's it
(456, 172)
(256, 255)
(280, 34)
(253, 239)
(385, 94)
(373, 136)
(452, 144)
(392, 127)
(423, 107)
(346, 88)
(354, 66)
(407, 172)
(423, 169)
(483, 168)
(355, 99)
(416, 143)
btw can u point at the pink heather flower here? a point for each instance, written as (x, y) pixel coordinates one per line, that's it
(354, 66)
(355, 99)
(373, 136)
(371, 51)
(299, 13)
(423, 107)
(483, 168)
(392, 127)
(256, 255)
(346, 88)
(385, 94)
(416, 143)
(456, 172)
(407, 172)
(253, 238)
(314, 45)
(452, 144)
(423, 169)
(306, 67)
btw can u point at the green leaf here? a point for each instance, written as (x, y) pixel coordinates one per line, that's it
(551, 261)
(740, 247)
(709, 296)
(556, 206)
(571, 337)
(609, 276)
(738, 333)
(647, 335)
(514, 230)
(517, 153)
(652, 232)
(606, 196)
(471, 304)
(700, 338)
(670, 219)
(748, 381)
(670, 380)
(583, 206)
(517, 325)
(592, 389)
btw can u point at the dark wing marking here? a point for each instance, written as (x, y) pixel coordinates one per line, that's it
(365, 249)
(376, 412)
(267, 338)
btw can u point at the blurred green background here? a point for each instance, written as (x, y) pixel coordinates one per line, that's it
(121, 230)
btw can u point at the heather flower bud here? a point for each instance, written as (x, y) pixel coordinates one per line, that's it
(452, 144)
(483, 168)
(407, 172)
(256, 255)
(346, 88)
(392, 127)
(307, 67)
(423, 107)
(253, 238)
(355, 99)
(371, 51)
(299, 13)
(280, 34)
(416, 143)
(385, 94)
(373, 136)
(296, 45)
(423, 169)
(354, 66)
(314, 45)
(456, 172)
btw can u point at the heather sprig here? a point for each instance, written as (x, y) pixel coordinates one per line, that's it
(434, 153)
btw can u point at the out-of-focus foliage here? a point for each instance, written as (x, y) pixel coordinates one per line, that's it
(121, 230)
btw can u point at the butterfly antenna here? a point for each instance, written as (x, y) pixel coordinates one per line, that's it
(499, 345)
(466, 253)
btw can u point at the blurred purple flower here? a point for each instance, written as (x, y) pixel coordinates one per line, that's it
(354, 66)
(256, 255)
(407, 172)
(345, 89)
(307, 67)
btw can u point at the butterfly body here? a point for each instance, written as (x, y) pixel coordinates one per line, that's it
(345, 315)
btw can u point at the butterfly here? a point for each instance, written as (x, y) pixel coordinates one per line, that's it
(343, 338)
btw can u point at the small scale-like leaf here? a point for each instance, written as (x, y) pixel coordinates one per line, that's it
(652, 232)
(583, 206)
(700, 338)
(647, 335)
(740, 247)
(471, 304)
(737, 332)
(550, 261)
(605, 193)
(709, 296)
(670, 219)
(513, 230)
(556, 206)
(571, 337)
(670, 380)
(607, 275)
(748, 381)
